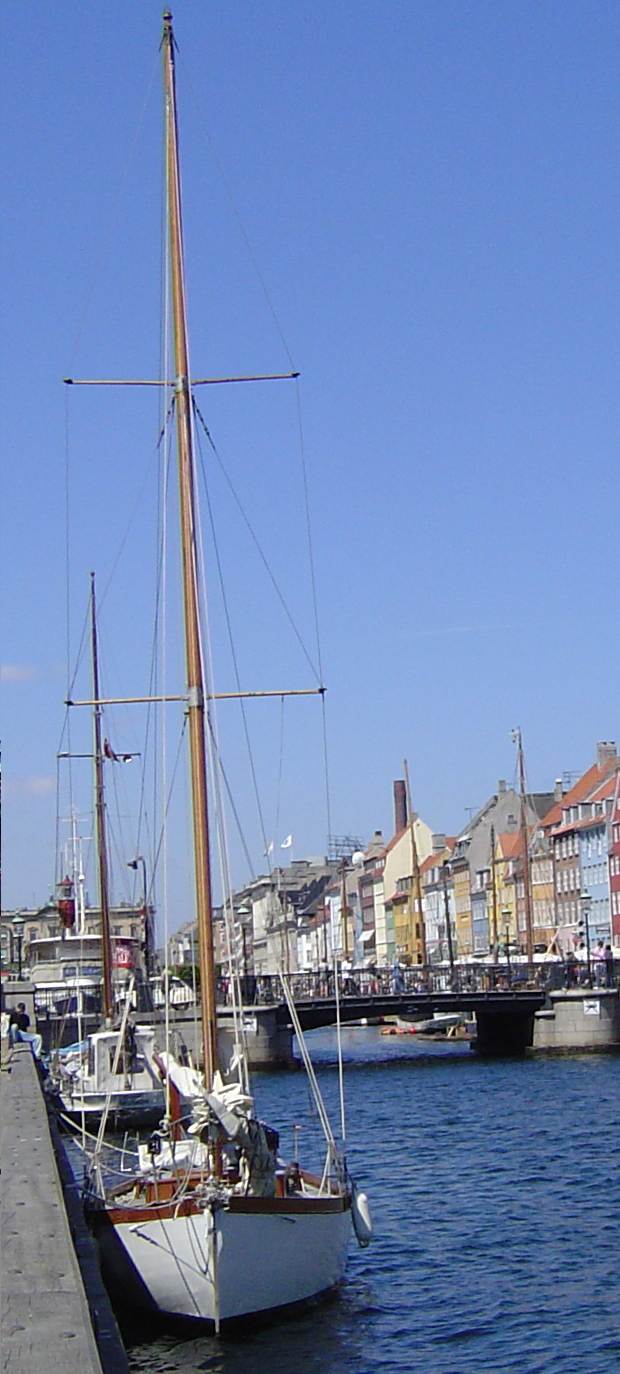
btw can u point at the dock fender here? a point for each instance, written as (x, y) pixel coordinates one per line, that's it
(361, 1216)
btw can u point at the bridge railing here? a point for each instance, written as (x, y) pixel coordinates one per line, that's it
(261, 989)
(266, 989)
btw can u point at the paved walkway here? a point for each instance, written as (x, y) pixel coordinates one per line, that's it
(46, 1322)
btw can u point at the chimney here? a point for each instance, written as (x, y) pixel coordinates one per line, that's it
(501, 787)
(605, 752)
(400, 806)
(558, 791)
(439, 843)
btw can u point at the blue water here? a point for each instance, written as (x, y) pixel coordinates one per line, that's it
(495, 1195)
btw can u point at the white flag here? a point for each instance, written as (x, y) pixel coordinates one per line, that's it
(286, 844)
(269, 849)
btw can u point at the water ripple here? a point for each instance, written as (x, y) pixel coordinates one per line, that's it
(494, 1189)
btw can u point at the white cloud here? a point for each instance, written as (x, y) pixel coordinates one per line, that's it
(16, 672)
(28, 787)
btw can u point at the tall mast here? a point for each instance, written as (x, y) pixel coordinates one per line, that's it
(494, 892)
(195, 685)
(416, 886)
(344, 910)
(527, 886)
(102, 846)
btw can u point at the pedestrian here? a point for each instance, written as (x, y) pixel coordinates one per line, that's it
(19, 1022)
(581, 955)
(398, 982)
(571, 971)
(345, 975)
(598, 964)
(609, 967)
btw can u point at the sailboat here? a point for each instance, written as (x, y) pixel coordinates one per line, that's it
(214, 1225)
(114, 1076)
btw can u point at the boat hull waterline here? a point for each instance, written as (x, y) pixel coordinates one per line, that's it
(125, 1110)
(221, 1265)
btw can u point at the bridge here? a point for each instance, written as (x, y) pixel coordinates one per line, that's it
(502, 998)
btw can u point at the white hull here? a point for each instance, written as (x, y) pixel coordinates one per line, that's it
(124, 1079)
(135, 1109)
(220, 1266)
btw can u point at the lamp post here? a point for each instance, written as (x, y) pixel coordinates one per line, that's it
(585, 901)
(506, 914)
(18, 924)
(242, 914)
(148, 937)
(445, 873)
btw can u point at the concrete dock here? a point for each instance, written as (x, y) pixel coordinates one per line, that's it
(55, 1313)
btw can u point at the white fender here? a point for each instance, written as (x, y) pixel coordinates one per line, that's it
(361, 1217)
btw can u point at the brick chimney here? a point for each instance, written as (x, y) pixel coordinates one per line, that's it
(400, 806)
(605, 752)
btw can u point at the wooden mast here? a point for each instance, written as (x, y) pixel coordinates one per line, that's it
(195, 685)
(102, 846)
(494, 891)
(416, 885)
(344, 910)
(527, 885)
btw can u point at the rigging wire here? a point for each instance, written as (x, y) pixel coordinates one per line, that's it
(237, 215)
(107, 234)
(253, 536)
(276, 827)
(240, 1045)
(232, 648)
(270, 305)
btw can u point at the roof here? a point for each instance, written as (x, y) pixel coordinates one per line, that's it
(586, 784)
(511, 844)
(439, 856)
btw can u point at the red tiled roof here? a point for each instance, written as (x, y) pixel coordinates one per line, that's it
(589, 780)
(605, 789)
(511, 843)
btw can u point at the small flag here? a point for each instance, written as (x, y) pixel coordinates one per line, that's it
(269, 849)
(286, 844)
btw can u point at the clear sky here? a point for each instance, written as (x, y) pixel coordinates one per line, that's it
(430, 189)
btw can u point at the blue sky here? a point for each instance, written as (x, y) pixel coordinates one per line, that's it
(431, 193)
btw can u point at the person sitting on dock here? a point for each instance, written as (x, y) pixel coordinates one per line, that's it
(19, 1022)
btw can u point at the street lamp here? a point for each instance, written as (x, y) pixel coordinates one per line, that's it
(242, 913)
(446, 871)
(506, 914)
(18, 924)
(585, 901)
(148, 936)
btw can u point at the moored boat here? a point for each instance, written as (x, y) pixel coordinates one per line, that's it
(213, 1225)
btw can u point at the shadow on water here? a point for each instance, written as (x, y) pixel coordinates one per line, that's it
(327, 1337)
(493, 1190)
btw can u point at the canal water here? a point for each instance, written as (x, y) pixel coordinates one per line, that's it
(495, 1189)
